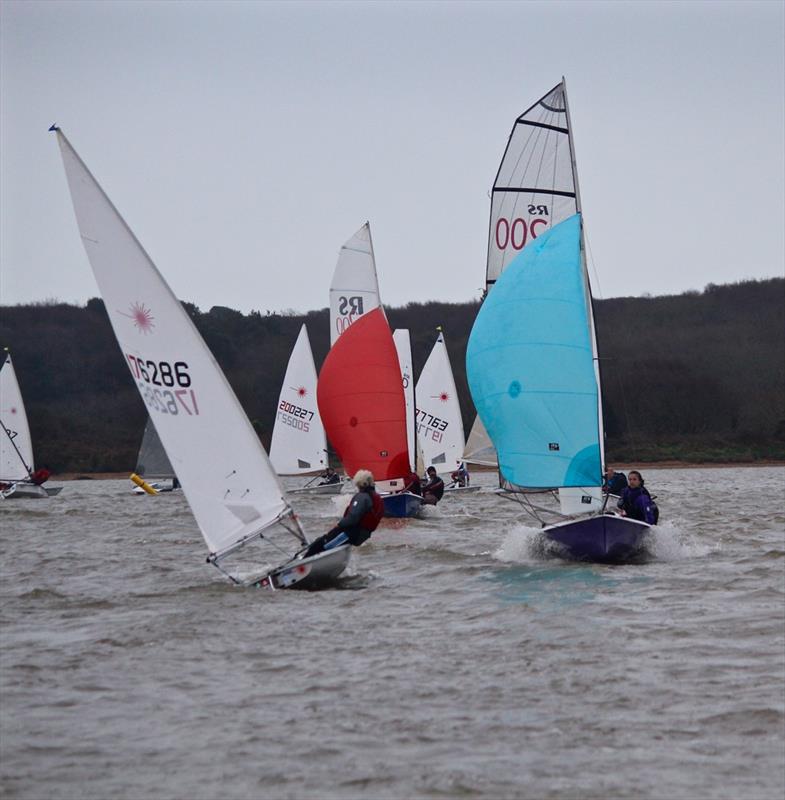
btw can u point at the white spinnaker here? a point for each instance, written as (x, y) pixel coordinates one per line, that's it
(354, 290)
(299, 444)
(403, 347)
(227, 478)
(535, 186)
(439, 423)
(16, 447)
(479, 447)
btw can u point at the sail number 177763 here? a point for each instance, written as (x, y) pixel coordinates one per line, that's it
(164, 387)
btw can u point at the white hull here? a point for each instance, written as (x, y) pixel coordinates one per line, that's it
(25, 491)
(327, 488)
(461, 489)
(315, 572)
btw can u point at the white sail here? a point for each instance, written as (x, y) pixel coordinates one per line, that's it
(535, 187)
(479, 447)
(439, 423)
(403, 347)
(354, 290)
(299, 444)
(227, 478)
(16, 447)
(152, 461)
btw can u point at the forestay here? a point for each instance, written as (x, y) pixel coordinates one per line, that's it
(354, 290)
(403, 347)
(16, 447)
(530, 366)
(439, 423)
(299, 444)
(225, 474)
(535, 187)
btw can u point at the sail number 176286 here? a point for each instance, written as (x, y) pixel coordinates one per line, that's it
(157, 382)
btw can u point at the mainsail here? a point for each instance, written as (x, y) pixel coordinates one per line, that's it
(535, 187)
(16, 447)
(403, 347)
(152, 461)
(299, 445)
(439, 423)
(227, 478)
(479, 447)
(361, 400)
(531, 367)
(354, 290)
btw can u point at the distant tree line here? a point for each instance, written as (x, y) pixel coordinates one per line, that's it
(698, 376)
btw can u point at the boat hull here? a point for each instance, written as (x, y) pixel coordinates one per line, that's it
(604, 539)
(327, 488)
(314, 572)
(461, 489)
(402, 504)
(25, 491)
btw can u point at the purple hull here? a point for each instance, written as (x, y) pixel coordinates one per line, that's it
(606, 538)
(404, 504)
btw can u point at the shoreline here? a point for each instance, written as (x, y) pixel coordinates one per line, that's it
(623, 466)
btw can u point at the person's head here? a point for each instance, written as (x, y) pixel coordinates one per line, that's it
(610, 472)
(634, 479)
(330, 470)
(363, 479)
(431, 472)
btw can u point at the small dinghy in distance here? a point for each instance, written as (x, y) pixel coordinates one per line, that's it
(531, 359)
(299, 444)
(153, 465)
(17, 471)
(229, 483)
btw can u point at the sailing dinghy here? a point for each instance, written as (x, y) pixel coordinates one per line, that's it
(361, 400)
(16, 447)
(228, 480)
(439, 421)
(153, 465)
(531, 359)
(299, 444)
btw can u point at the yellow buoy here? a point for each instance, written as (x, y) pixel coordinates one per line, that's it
(143, 484)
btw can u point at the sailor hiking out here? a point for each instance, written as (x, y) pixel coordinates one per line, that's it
(360, 520)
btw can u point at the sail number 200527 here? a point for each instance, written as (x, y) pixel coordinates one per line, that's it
(153, 378)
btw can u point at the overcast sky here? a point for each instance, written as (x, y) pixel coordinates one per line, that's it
(244, 142)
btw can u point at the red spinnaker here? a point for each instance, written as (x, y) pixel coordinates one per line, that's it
(361, 402)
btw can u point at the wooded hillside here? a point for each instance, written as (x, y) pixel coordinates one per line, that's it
(697, 376)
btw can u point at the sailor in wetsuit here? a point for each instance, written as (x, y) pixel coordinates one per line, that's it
(329, 476)
(636, 502)
(360, 520)
(433, 490)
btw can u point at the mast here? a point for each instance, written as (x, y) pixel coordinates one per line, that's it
(589, 296)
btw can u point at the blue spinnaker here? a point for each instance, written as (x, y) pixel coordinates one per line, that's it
(530, 366)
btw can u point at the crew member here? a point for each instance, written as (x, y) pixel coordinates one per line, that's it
(360, 520)
(461, 475)
(636, 502)
(433, 490)
(615, 482)
(329, 476)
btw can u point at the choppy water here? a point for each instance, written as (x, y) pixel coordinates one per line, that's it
(453, 664)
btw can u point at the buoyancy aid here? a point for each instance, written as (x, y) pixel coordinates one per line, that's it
(371, 519)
